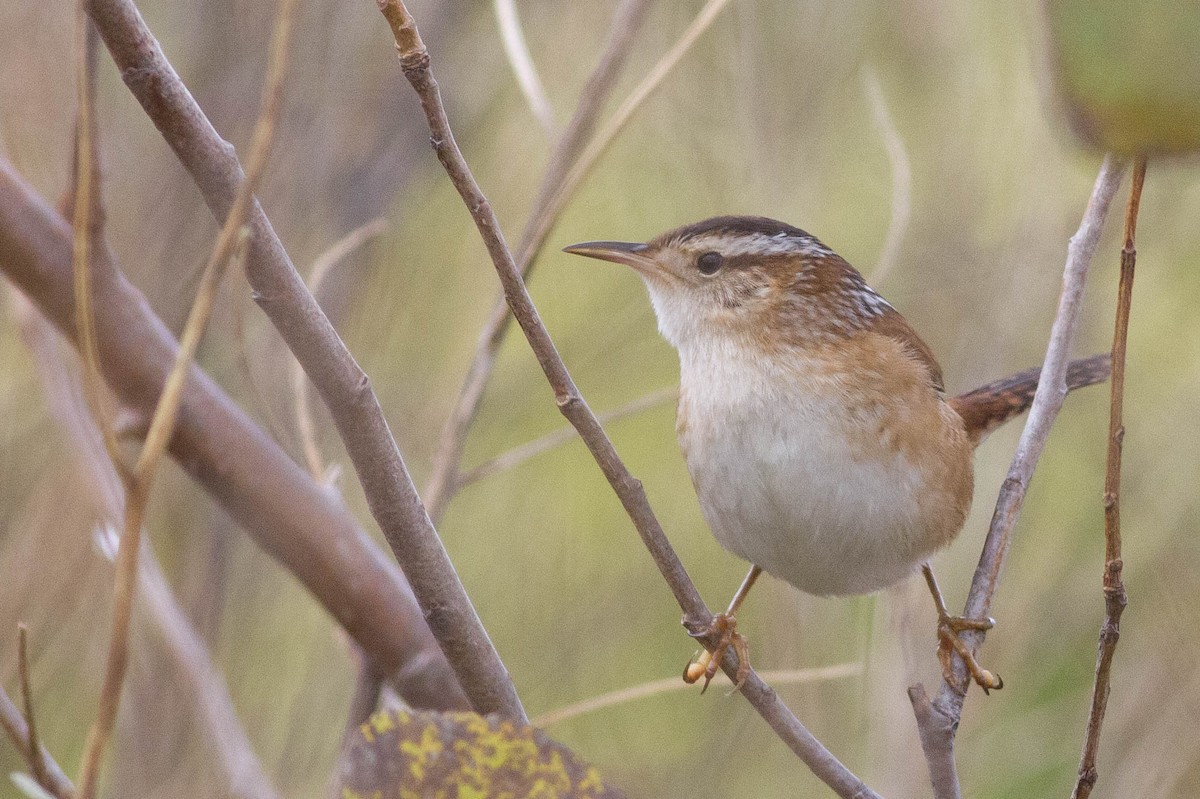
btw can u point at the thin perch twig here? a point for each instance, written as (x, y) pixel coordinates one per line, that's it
(414, 61)
(162, 424)
(1115, 597)
(940, 725)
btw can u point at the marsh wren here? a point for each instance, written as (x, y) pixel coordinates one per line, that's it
(814, 421)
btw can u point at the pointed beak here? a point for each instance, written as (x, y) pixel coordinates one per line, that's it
(619, 252)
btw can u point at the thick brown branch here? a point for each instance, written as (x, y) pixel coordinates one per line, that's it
(339, 380)
(295, 520)
(1114, 589)
(414, 61)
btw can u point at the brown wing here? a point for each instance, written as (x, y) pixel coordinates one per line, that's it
(891, 324)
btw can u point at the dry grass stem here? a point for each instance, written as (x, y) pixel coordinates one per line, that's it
(668, 685)
(901, 177)
(519, 455)
(414, 61)
(939, 720)
(88, 222)
(517, 51)
(202, 683)
(305, 426)
(162, 424)
(37, 762)
(627, 20)
(1115, 597)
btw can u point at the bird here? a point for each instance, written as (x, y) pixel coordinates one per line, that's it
(813, 418)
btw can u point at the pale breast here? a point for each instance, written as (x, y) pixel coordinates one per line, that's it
(802, 464)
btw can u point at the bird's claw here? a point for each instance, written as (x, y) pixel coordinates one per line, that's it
(705, 663)
(948, 631)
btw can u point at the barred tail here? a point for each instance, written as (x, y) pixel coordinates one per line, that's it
(988, 407)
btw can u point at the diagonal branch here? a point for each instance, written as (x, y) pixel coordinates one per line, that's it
(596, 91)
(939, 722)
(521, 62)
(414, 61)
(1114, 589)
(166, 412)
(341, 383)
(56, 781)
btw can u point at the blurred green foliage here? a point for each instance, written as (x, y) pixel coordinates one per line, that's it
(768, 115)
(1129, 73)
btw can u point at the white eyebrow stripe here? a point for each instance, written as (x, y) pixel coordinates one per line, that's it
(758, 244)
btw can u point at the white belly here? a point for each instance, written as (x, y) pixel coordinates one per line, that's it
(784, 485)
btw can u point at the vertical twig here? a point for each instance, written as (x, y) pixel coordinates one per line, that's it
(414, 61)
(88, 222)
(1115, 598)
(937, 739)
(162, 425)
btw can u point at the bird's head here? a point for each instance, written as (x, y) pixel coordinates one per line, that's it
(748, 277)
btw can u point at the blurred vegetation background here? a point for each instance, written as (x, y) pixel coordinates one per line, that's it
(769, 114)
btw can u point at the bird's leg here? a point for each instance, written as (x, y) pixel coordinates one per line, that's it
(948, 629)
(724, 625)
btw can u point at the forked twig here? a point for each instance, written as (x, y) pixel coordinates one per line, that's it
(414, 61)
(1115, 597)
(938, 719)
(162, 424)
(55, 781)
(521, 62)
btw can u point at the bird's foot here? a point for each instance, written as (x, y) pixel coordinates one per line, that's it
(706, 662)
(948, 630)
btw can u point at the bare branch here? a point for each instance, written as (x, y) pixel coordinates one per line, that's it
(56, 782)
(938, 744)
(673, 684)
(522, 64)
(901, 177)
(321, 267)
(414, 61)
(1115, 598)
(626, 22)
(343, 386)
(162, 424)
(518, 455)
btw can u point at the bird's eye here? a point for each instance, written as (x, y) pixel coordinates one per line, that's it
(709, 263)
